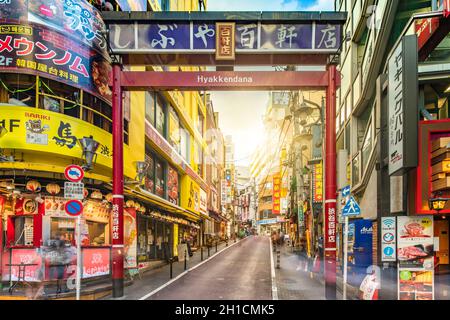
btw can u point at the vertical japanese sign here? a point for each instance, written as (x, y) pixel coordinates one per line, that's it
(225, 41)
(416, 257)
(317, 183)
(276, 194)
(403, 100)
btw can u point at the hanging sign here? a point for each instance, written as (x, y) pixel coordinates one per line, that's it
(225, 41)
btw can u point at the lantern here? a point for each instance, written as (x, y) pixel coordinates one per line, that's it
(33, 186)
(96, 195)
(129, 204)
(109, 197)
(53, 189)
(137, 206)
(85, 192)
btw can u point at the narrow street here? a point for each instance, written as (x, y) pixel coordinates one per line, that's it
(218, 279)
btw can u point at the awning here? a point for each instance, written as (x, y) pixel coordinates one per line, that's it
(163, 204)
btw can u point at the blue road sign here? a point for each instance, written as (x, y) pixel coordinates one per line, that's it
(351, 208)
(346, 191)
(74, 207)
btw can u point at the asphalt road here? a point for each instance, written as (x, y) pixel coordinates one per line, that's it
(240, 273)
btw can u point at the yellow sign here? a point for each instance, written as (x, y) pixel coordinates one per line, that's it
(190, 194)
(51, 132)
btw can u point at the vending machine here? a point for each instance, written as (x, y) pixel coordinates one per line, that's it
(360, 250)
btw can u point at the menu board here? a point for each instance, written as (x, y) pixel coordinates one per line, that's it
(416, 258)
(54, 207)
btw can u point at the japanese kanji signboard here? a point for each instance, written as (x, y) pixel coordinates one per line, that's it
(225, 40)
(317, 182)
(199, 36)
(403, 101)
(276, 195)
(70, 48)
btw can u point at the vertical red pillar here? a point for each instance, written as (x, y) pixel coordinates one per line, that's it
(330, 187)
(117, 210)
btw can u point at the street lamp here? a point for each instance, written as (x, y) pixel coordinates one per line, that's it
(438, 203)
(89, 146)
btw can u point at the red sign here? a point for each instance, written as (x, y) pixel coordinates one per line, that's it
(225, 80)
(276, 194)
(73, 207)
(96, 262)
(425, 28)
(25, 256)
(74, 173)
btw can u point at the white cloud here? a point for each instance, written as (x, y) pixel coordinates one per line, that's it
(321, 5)
(269, 5)
(251, 5)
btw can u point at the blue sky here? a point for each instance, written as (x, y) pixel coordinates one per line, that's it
(270, 5)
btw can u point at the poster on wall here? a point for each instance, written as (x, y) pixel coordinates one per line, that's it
(416, 258)
(96, 262)
(18, 256)
(172, 185)
(130, 237)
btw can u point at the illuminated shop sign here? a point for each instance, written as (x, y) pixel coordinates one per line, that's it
(61, 40)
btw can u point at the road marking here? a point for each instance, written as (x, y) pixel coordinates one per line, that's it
(187, 271)
(272, 272)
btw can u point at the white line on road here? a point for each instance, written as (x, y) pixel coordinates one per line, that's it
(187, 271)
(272, 272)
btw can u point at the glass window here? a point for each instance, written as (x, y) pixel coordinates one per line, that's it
(199, 158)
(200, 122)
(149, 183)
(367, 146)
(150, 107)
(184, 143)
(160, 116)
(174, 129)
(159, 178)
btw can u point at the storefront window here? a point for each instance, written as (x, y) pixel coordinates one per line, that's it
(150, 107)
(159, 178)
(174, 130)
(160, 116)
(184, 144)
(150, 178)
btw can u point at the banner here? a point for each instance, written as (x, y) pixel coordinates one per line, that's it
(276, 194)
(96, 262)
(130, 237)
(19, 256)
(416, 258)
(317, 183)
(172, 185)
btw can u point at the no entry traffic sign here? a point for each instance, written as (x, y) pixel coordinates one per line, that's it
(74, 173)
(74, 208)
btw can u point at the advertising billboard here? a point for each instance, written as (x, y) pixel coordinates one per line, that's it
(61, 40)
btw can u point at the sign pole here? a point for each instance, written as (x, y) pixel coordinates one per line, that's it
(78, 279)
(330, 186)
(117, 208)
(344, 290)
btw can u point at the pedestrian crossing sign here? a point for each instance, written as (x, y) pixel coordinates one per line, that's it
(351, 208)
